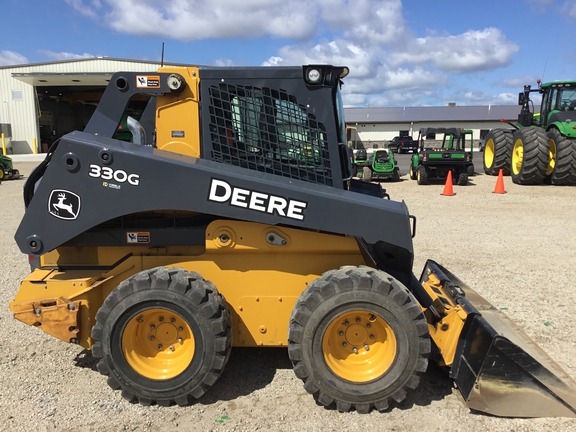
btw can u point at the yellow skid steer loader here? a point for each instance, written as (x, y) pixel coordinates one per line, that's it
(226, 222)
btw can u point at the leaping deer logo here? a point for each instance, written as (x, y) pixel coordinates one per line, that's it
(64, 204)
(60, 204)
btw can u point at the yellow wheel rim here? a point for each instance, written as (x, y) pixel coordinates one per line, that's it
(158, 344)
(359, 346)
(418, 175)
(517, 156)
(489, 153)
(551, 156)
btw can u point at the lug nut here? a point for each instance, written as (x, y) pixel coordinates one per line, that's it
(160, 346)
(344, 344)
(368, 325)
(371, 336)
(355, 350)
(341, 333)
(180, 328)
(161, 319)
(172, 320)
(152, 337)
(171, 347)
(367, 347)
(152, 326)
(180, 340)
(346, 323)
(358, 320)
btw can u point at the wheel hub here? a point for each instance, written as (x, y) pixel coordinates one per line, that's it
(359, 346)
(158, 344)
(517, 156)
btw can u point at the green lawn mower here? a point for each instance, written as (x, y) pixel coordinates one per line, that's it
(436, 161)
(381, 165)
(7, 172)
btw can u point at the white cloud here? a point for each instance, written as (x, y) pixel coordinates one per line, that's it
(90, 9)
(387, 61)
(8, 58)
(64, 55)
(473, 51)
(519, 82)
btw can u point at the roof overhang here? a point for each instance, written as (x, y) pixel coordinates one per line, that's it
(40, 79)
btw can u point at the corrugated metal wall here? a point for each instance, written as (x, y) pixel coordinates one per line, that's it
(383, 132)
(18, 99)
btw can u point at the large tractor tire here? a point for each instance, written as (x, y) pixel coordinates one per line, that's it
(421, 176)
(498, 151)
(367, 174)
(358, 338)
(163, 336)
(530, 156)
(563, 158)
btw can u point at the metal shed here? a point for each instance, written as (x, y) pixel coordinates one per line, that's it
(43, 101)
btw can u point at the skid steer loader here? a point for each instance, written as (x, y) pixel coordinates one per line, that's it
(227, 222)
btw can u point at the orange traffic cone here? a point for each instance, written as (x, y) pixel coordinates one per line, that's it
(448, 189)
(499, 189)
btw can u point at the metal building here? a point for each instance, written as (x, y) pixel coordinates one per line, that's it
(43, 101)
(376, 126)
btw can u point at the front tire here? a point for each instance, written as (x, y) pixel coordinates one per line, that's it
(413, 174)
(530, 156)
(162, 336)
(498, 151)
(358, 338)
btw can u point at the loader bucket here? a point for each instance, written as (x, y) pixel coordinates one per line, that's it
(497, 367)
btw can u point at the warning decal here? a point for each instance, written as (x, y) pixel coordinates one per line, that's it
(147, 81)
(137, 237)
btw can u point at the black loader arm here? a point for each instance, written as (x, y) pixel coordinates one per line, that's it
(91, 180)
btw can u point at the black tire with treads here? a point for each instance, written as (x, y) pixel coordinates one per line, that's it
(565, 168)
(497, 151)
(530, 156)
(197, 320)
(314, 339)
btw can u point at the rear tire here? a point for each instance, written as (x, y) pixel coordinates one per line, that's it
(366, 174)
(358, 338)
(530, 156)
(422, 176)
(564, 151)
(463, 179)
(162, 336)
(498, 151)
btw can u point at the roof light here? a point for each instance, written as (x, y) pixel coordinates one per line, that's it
(313, 75)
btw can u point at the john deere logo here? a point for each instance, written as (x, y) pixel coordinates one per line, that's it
(64, 204)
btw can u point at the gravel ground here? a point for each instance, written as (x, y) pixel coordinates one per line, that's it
(515, 249)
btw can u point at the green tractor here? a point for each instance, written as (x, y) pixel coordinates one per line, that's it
(7, 172)
(539, 148)
(381, 165)
(451, 156)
